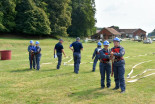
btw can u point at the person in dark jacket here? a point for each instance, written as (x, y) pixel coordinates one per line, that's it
(119, 65)
(31, 49)
(96, 55)
(105, 65)
(37, 54)
(77, 47)
(59, 49)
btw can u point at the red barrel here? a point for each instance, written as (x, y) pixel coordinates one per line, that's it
(5, 54)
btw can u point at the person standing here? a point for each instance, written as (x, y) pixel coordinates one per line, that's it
(96, 54)
(31, 49)
(59, 49)
(38, 54)
(77, 47)
(105, 66)
(119, 65)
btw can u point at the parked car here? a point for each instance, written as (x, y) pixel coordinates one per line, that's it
(153, 39)
(147, 41)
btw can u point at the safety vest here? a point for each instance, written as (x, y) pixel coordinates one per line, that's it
(117, 50)
(105, 60)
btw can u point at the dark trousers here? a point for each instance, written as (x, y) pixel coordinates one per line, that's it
(59, 55)
(95, 62)
(105, 68)
(32, 61)
(38, 57)
(77, 61)
(119, 72)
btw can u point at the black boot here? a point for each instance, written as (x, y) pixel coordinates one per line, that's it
(122, 92)
(115, 88)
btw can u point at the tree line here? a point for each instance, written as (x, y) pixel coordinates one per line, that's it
(152, 34)
(48, 17)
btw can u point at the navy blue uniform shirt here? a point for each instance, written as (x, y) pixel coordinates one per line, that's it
(103, 55)
(31, 48)
(59, 47)
(37, 50)
(96, 52)
(77, 46)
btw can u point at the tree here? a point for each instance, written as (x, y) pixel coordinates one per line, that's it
(32, 19)
(83, 18)
(152, 34)
(7, 15)
(2, 27)
(54, 17)
(59, 15)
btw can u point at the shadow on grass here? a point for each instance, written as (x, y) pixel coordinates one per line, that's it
(61, 74)
(89, 94)
(49, 70)
(87, 72)
(22, 70)
(27, 69)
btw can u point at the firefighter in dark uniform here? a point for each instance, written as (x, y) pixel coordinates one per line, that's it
(105, 66)
(96, 54)
(37, 54)
(117, 52)
(31, 49)
(59, 49)
(77, 47)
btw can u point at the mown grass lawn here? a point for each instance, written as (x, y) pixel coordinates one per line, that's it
(19, 85)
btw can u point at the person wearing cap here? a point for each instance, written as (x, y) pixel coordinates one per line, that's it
(77, 47)
(96, 54)
(117, 53)
(105, 66)
(59, 49)
(31, 49)
(37, 54)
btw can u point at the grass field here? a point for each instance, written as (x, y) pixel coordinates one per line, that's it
(19, 85)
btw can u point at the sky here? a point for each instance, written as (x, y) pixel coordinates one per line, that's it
(126, 14)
